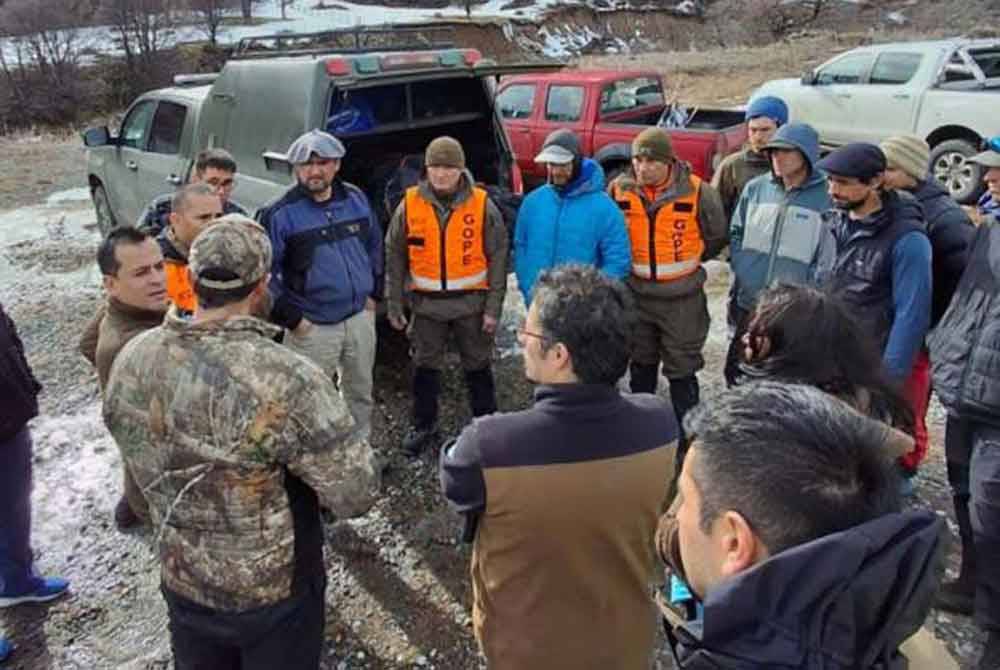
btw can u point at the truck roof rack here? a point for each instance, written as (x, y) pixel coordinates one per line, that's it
(195, 79)
(358, 40)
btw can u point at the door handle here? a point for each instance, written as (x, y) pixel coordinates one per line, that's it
(843, 95)
(901, 96)
(131, 165)
(523, 131)
(175, 180)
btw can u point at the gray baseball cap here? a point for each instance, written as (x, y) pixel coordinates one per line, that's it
(561, 147)
(323, 144)
(989, 159)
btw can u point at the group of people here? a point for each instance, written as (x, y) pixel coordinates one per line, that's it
(235, 361)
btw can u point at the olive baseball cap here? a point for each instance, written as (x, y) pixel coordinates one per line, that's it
(231, 253)
(322, 144)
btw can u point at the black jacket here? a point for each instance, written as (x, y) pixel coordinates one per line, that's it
(950, 232)
(965, 347)
(847, 600)
(18, 386)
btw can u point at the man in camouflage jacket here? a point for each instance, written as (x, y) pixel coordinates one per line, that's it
(233, 438)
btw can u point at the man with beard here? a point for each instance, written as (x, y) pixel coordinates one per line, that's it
(881, 267)
(327, 270)
(570, 219)
(447, 242)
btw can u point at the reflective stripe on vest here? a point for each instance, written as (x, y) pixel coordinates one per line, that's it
(448, 259)
(670, 246)
(179, 288)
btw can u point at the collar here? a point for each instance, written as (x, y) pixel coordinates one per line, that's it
(183, 250)
(185, 326)
(571, 395)
(132, 313)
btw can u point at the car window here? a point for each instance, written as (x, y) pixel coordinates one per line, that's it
(168, 125)
(565, 103)
(133, 133)
(988, 60)
(895, 68)
(517, 101)
(846, 70)
(626, 94)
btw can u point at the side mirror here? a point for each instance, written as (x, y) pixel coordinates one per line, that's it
(97, 137)
(808, 78)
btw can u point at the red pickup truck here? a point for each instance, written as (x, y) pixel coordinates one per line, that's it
(607, 109)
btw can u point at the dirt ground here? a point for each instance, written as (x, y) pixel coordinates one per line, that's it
(399, 593)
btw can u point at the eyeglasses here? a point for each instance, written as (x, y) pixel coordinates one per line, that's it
(991, 144)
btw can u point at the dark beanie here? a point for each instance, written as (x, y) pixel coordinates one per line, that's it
(653, 143)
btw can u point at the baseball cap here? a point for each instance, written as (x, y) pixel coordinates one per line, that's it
(860, 160)
(990, 155)
(561, 146)
(231, 253)
(323, 144)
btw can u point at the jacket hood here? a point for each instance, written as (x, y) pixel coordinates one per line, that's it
(846, 600)
(590, 179)
(929, 189)
(801, 136)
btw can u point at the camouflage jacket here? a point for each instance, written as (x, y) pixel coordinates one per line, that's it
(209, 418)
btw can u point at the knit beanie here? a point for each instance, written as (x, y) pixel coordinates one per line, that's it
(908, 153)
(769, 106)
(444, 151)
(653, 143)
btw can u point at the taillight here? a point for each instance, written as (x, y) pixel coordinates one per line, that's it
(338, 67)
(472, 56)
(516, 178)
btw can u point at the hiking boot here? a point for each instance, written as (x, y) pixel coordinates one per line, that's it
(46, 589)
(5, 649)
(125, 518)
(957, 596)
(417, 439)
(990, 660)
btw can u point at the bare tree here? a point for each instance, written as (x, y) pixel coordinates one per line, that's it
(285, 4)
(780, 17)
(143, 28)
(211, 13)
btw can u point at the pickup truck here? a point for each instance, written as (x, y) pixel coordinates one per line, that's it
(383, 99)
(607, 109)
(946, 91)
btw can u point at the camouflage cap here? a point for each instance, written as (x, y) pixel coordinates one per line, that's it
(235, 249)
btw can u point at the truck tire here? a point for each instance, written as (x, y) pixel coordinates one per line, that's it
(964, 180)
(102, 206)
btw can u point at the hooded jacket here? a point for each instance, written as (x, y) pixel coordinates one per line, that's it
(882, 271)
(735, 172)
(777, 235)
(965, 346)
(579, 223)
(846, 600)
(17, 383)
(950, 232)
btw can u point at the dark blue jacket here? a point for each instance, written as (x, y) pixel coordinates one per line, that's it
(18, 385)
(327, 256)
(950, 232)
(846, 600)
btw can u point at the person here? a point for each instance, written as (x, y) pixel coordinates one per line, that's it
(447, 241)
(803, 335)
(989, 158)
(963, 351)
(764, 116)
(777, 233)
(327, 270)
(881, 266)
(561, 499)
(570, 219)
(950, 231)
(18, 581)
(131, 265)
(214, 167)
(194, 208)
(787, 526)
(236, 441)
(675, 222)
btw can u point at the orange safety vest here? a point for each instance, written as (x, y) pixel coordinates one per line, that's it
(666, 241)
(448, 259)
(179, 288)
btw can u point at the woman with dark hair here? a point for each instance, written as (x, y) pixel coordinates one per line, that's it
(803, 335)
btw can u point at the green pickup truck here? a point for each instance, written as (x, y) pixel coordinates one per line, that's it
(385, 92)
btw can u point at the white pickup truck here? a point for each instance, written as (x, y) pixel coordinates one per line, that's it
(946, 91)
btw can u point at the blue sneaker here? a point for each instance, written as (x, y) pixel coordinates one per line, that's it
(49, 588)
(5, 649)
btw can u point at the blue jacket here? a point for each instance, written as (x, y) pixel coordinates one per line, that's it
(987, 205)
(577, 224)
(778, 235)
(327, 256)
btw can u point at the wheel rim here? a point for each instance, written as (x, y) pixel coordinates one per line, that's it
(954, 172)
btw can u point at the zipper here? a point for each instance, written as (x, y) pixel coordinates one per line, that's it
(555, 230)
(779, 226)
(343, 259)
(975, 343)
(442, 235)
(651, 221)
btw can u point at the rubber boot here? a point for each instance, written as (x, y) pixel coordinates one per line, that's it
(482, 393)
(426, 388)
(990, 660)
(643, 377)
(959, 595)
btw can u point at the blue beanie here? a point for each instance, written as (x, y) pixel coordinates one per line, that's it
(769, 106)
